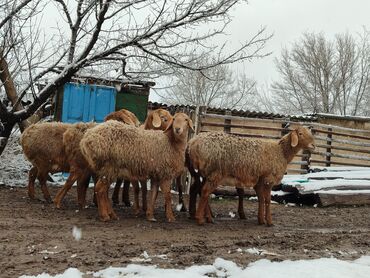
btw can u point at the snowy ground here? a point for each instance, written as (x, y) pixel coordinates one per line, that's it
(325, 267)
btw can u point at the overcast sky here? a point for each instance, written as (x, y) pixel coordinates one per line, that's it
(288, 19)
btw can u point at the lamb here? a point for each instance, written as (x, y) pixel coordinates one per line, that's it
(42, 145)
(156, 120)
(114, 150)
(243, 162)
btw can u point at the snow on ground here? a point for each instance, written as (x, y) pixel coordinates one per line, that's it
(13, 165)
(324, 267)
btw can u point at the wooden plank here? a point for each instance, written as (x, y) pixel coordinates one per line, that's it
(341, 199)
(339, 163)
(350, 142)
(342, 148)
(231, 191)
(342, 134)
(354, 157)
(241, 126)
(286, 120)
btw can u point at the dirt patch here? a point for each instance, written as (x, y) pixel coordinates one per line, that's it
(35, 237)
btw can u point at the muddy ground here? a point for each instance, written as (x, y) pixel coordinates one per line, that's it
(35, 237)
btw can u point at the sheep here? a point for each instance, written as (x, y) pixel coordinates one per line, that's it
(124, 116)
(42, 146)
(114, 150)
(243, 162)
(196, 187)
(156, 120)
(79, 168)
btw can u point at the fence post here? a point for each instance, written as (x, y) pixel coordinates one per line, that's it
(227, 127)
(328, 149)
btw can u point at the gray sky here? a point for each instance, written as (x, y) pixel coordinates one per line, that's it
(288, 19)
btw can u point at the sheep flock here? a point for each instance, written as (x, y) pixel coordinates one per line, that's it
(123, 151)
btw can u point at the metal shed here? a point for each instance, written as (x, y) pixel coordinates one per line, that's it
(87, 99)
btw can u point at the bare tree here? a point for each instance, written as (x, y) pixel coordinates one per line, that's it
(322, 75)
(151, 37)
(213, 87)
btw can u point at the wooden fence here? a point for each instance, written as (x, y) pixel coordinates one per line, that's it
(335, 146)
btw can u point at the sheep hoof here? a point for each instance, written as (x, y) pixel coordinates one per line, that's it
(127, 204)
(183, 208)
(210, 220)
(242, 216)
(31, 196)
(57, 205)
(269, 225)
(171, 219)
(48, 200)
(200, 221)
(105, 218)
(151, 219)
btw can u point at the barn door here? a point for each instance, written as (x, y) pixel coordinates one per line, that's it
(85, 103)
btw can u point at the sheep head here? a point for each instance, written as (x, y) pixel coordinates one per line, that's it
(179, 125)
(125, 116)
(159, 119)
(302, 138)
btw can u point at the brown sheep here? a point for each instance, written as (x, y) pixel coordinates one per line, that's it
(156, 120)
(114, 150)
(243, 162)
(42, 146)
(79, 168)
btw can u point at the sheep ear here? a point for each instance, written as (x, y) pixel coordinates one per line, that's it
(169, 125)
(156, 120)
(190, 123)
(127, 120)
(294, 138)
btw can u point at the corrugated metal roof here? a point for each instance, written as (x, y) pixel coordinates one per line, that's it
(232, 112)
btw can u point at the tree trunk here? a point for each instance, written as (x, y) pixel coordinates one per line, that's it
(5, 132)
(10, 90)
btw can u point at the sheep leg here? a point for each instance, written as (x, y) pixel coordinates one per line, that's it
(261, 203)
(195, 189)
(267, 198)
(126, 193)
(101, 189)
(144, 191)
(135, 185)
(31, 182)
(241, 213)
(115, 194)
(166, 190)
(82, 186)
(42, 177)
(95, 179)
(153, 197)
(203, 202)
(66, 187)
(208, 213)
(179, 189)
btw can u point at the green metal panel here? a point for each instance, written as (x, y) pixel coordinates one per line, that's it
(134, 100)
